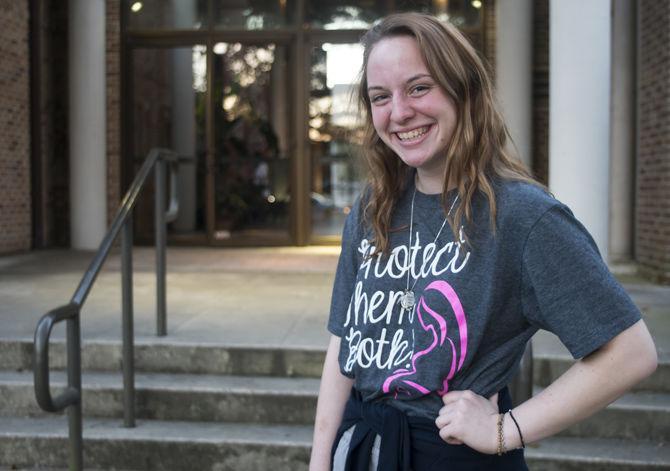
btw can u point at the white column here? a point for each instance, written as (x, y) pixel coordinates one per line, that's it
(623, 130)
(183, 135)
(579, 112)
(88, 188)
(183, 119)
(514, 72)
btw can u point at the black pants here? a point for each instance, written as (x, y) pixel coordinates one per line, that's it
(414, 441)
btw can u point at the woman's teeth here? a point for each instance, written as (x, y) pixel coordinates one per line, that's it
(412, 134)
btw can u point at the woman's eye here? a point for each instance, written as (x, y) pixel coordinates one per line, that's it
(378, 98)
(419, 89)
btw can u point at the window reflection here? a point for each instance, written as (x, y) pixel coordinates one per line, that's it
(331, 14)
(334, 134)
(461, 13)
(167, 14)
(253, 14)
(251, 133)
(168, 103)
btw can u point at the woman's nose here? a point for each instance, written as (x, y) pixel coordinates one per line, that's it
(401, 109)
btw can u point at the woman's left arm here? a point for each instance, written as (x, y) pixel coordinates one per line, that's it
(589, 385)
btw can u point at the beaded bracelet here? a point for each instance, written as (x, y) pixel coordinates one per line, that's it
(523, 445)
(501, 436)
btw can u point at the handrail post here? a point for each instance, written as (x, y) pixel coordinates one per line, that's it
(127, 323)
(521, 387)
(161, 240)
(74, 382)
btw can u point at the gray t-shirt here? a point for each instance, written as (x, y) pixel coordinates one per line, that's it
(477, 305)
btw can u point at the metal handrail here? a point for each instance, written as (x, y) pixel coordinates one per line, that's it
(70, 398)
(42, 389)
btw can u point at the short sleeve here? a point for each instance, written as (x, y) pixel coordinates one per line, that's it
(347, 268)
(567, 288)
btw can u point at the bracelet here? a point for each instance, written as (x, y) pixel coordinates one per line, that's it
(523, 445)
(501, 436)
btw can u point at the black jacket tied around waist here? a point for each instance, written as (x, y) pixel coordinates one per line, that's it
(411, 443)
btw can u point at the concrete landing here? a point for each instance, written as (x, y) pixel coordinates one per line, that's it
(223, 296)
(263, 296)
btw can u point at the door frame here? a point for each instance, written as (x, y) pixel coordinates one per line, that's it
(299, 38)
(297, 231)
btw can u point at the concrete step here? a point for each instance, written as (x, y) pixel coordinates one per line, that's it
(165, 355)
(551, 358)
(157, 445)
(176, 397)
(591, 454)
(634, 416)
(548, 367)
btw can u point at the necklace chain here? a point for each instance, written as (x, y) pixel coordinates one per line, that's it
(408, 300)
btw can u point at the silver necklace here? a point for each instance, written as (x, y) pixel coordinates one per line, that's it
(408, 299)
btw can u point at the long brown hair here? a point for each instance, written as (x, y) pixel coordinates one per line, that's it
(477, 152)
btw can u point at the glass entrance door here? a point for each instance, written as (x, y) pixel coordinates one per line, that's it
(335, 135)
(168, 99)
(258, 95)
(251, 133)
(234, 185)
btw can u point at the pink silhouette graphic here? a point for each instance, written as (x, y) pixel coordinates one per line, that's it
(439, 336)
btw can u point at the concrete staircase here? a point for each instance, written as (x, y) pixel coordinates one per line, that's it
(209, 407)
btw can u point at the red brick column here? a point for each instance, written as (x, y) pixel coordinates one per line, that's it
(15, 197)
(540, 144)
(113, 77)
(652, 244)
(54, 120)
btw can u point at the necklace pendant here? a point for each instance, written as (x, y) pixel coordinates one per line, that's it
(407, 301)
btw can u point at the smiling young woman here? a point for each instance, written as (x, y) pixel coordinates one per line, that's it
(429, 324)
(410, 112)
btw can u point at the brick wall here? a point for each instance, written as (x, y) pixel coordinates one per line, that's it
(540, 111)
(54, 118)
(488, 45)
(15, 198)
(652, 243)
(113, 77)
